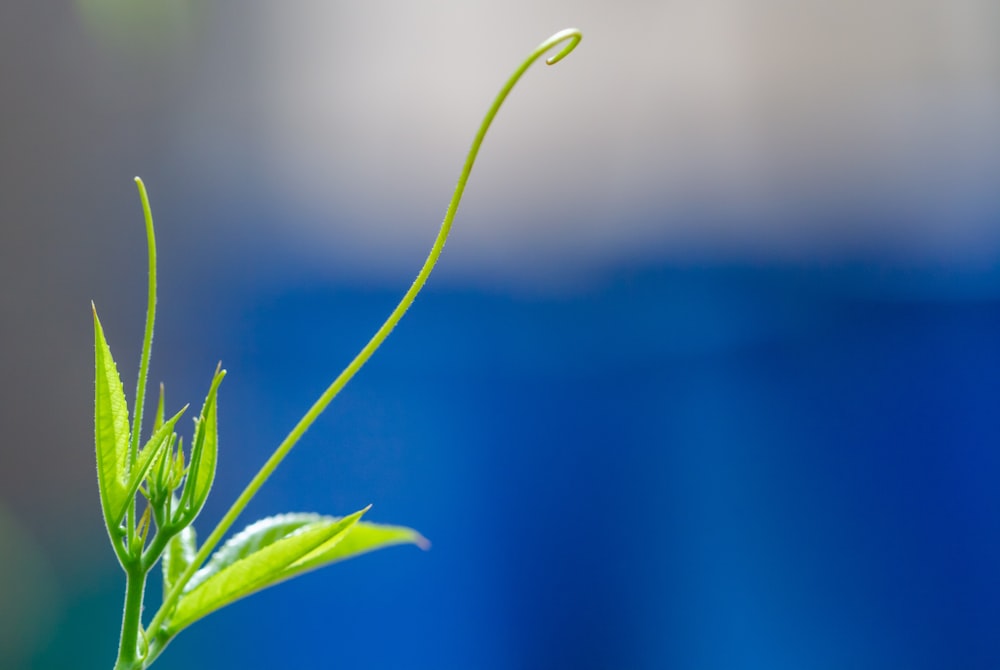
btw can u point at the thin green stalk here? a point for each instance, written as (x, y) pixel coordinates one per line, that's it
(135, 586)
(147, 346)
(157, 546)
(119, 542)
(573, 37)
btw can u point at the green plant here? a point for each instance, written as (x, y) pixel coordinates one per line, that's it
(197, 581)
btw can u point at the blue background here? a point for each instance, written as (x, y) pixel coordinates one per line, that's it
(681, 467)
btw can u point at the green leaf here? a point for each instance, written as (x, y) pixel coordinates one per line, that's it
(149, 453)
(142, 531)
(251, 539)
(163, 460)
(204, 453)
(178, 469)
(111, 431)
(158, 419)
(262, 567)
(158, 478)
(179, 554)
(362, 538)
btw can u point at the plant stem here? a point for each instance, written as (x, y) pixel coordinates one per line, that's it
(157, 643)
(135, 587)
(147, 345)
(156, 627)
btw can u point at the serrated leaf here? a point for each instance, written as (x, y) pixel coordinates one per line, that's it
(153, 448)
(158, 418)
(251, 539)
(262, 568)
(142, 530)
(177, 557)
(361, 539)
(158, 479)
(161, 464)
(204, 453)
(177, 472)
(111, 431)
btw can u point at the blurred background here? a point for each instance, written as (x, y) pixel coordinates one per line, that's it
(708, 376)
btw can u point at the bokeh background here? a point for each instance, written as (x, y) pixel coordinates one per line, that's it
(708, 377)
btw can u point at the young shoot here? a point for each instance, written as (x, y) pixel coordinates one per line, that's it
(151, 492)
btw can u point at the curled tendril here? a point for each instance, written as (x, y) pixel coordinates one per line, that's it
(573, 37)
(571, 34)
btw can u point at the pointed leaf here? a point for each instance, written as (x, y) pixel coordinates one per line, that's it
(142, 531)
(111, 431)
(204, 453)
(158, 480)
(177, 473)
(178, 556)
(254, 537)
(362, 538)
(153, 448)
(161, 462)
(260, 569)
(158, 418)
